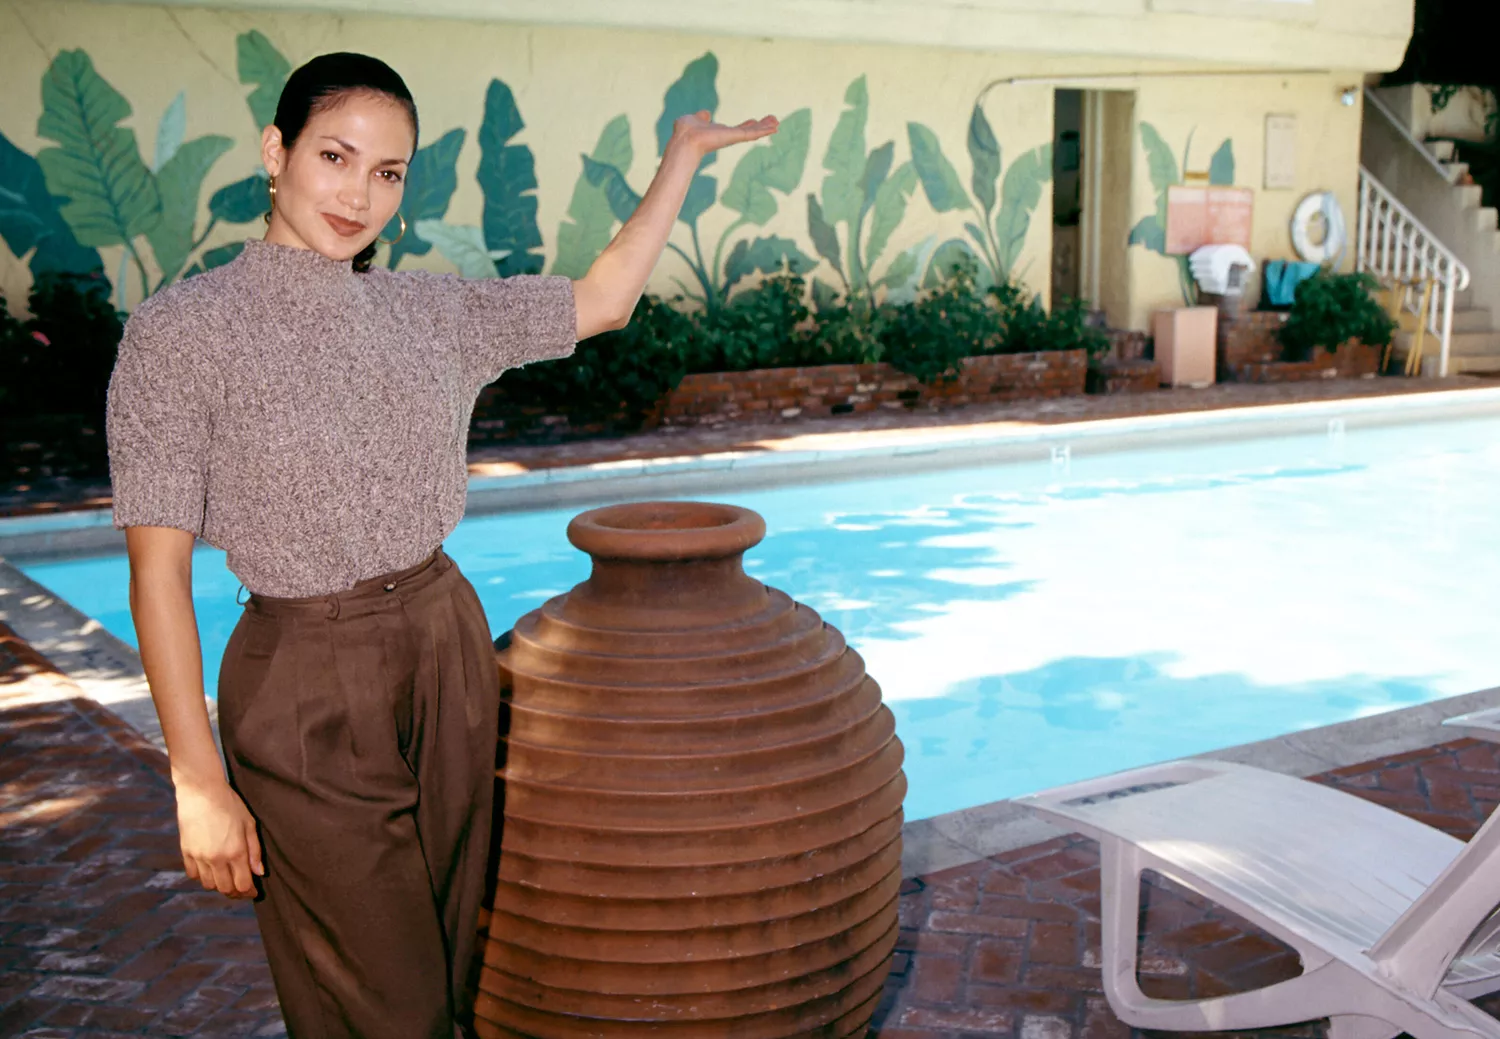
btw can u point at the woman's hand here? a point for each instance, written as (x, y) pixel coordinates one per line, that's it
(701, 134)
(219, 847)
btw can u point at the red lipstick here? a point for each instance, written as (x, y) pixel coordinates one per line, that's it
(346, 228)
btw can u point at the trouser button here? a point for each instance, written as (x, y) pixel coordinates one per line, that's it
(391, 587)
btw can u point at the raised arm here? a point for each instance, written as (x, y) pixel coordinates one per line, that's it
(606, 296)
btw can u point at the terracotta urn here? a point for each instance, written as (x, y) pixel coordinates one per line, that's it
(700, 830)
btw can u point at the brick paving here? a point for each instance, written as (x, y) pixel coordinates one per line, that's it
(101, 935)
(1009, 946)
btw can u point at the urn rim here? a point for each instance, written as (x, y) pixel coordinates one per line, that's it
(666, 531)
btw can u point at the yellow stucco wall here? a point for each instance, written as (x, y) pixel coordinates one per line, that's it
(1211, 110)
(1278, 34)
(570, 82)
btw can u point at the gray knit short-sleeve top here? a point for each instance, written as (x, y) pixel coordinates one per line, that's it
(312, 421)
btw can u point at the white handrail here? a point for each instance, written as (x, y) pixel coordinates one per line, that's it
(1395, 246)
(1373, 100)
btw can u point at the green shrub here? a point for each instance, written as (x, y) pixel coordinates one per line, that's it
(762, 327)
(13, 348)
(1030, 328)
(622, 373)
(850, 331)
(1330, 309)
(59, 361)
(928, 337)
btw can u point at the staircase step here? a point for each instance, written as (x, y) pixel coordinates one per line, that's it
(1467, 351)
(1441, 150)
(1470, 196)
(1487, 218)
(1455, 171)
(1473, 319)
(1469, 344)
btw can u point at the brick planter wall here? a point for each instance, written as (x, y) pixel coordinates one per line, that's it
(500, 419)
(1351, 360)
(1128, 345)
(781, 394)
(1250, 351)
(1125, 377)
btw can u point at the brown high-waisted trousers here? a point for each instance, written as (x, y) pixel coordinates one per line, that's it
(360, 730)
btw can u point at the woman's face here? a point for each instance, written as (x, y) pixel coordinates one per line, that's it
(341, 183)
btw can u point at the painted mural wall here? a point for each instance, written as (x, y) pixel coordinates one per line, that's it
(130, 143)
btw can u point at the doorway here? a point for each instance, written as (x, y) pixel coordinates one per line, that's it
(1092, 158)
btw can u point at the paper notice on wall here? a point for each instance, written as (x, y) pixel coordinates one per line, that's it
(1208, 216)
(1281, 152)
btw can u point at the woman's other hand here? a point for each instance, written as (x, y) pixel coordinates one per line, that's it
(220, 849)
(699, 132)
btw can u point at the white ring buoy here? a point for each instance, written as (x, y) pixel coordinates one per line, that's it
(1335, 239)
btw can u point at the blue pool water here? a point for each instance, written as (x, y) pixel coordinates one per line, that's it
(1033, 624)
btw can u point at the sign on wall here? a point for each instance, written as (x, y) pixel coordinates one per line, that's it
(1199, 216)
(1281, 152)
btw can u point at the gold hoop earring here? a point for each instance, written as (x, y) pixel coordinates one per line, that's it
(271, 190)
(400, 236)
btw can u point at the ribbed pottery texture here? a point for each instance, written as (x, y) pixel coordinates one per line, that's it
(701, 831)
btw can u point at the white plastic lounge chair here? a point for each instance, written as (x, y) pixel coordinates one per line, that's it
(1482, 725)
(1393, 919)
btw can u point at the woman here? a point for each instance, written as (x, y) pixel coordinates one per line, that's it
(309, 414)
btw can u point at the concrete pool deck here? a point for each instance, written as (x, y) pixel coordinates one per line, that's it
(101, 935)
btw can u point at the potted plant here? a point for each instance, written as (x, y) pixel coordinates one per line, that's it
(1333, 311)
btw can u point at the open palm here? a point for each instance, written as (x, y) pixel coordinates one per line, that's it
(698, 131)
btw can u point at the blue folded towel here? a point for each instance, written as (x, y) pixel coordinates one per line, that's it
(1282, 278)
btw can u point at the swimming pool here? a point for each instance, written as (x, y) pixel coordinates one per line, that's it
(1037, 623)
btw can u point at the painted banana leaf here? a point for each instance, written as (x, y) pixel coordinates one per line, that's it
(824, 235)
(844, 161)
(507, 177)
(694, 91)
(180, 180)
(31, 221)
(430, 182)
(242, 201)
(939, 179)
(170, 131)
(1020, 194)
(216, 257)
(776, 165)
(96, 165)
(1221, 166)
(944, 257)
(984, 155)
(464, 247)
(261, 64)
(618, 193)
(889, 208)
(591, 219)
(1151, 231)
(766, 255)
